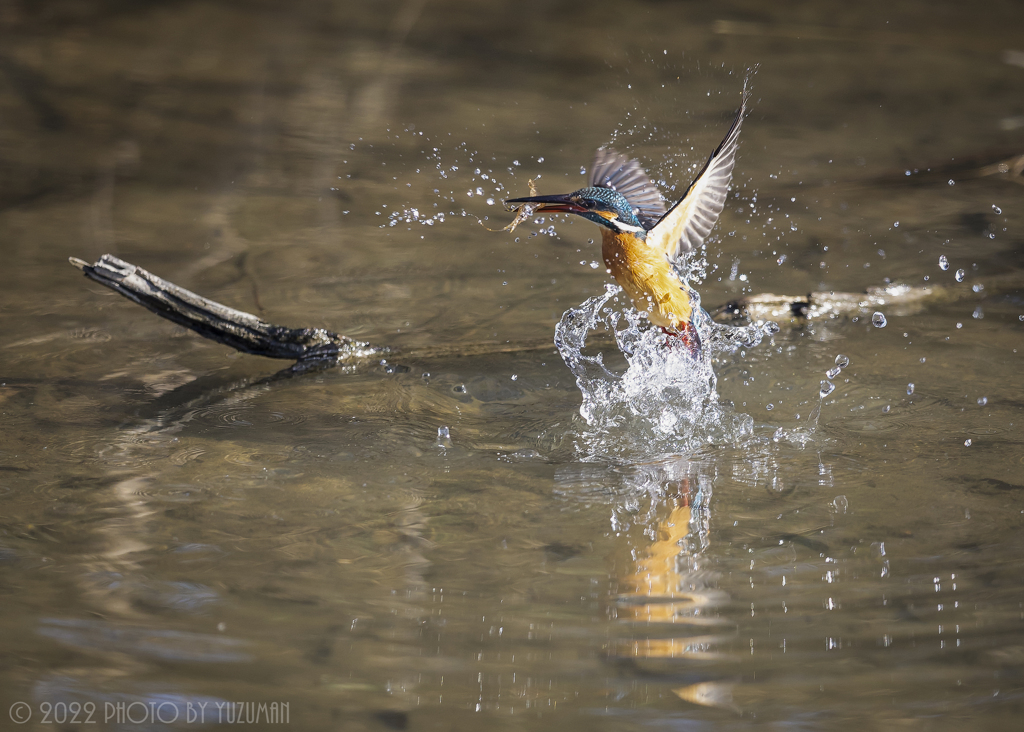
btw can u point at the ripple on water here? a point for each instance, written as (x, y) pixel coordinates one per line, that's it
(143, 642)
(133, 449)
(231, 417)
(186, 597)
(187, 455)
(868, 426)
(985, 431)
(266, 455)
(61, 346)
(287, 418)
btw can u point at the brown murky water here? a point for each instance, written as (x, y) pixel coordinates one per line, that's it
(174, 533)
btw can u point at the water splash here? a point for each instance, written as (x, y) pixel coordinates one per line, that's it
(805, 435)
(444, 437)
(666, 400)
(413, 216)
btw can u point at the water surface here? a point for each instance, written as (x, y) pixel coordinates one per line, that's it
(176, 530)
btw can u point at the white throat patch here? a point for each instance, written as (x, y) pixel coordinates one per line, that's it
(620, 226)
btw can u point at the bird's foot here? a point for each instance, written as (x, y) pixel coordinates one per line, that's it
(687, 335)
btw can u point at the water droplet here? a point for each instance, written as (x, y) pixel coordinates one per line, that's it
(896, 224)
(840, 504)
(878, 320)
(961, 325)
(583, 170)
(978, 313)
(770, 407)
(952, 182)
(885, 409)
(1020, 317)
(833, 372)
(443, 433)
(459, 388)
(771, 327)
(842, 361)
(967, 442)
(996, 209)
(515, 377)
(827, 387)
(910, 388)
(490, 201)
(780, 260)
(983, 401)
(943, 263)
(960, 274)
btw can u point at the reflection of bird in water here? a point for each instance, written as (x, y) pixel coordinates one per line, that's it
(641, 240)
(661, 592)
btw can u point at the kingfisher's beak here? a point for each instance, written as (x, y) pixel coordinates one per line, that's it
(558, 204)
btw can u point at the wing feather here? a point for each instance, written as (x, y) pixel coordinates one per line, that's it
(685, 226)
(620, 173)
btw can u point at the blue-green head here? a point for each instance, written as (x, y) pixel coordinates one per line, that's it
(603, 206)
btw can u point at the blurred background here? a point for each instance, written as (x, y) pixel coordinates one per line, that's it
(176, 529)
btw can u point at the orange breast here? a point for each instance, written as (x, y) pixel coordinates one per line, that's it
(647, 277)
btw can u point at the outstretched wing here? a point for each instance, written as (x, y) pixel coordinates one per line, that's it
(688, 222)
(619, 173)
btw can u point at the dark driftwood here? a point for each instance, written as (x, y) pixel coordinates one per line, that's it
(241, 331)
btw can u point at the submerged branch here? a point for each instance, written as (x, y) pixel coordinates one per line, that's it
(816, 305)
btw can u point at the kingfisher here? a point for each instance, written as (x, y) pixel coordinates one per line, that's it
(641, 239)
